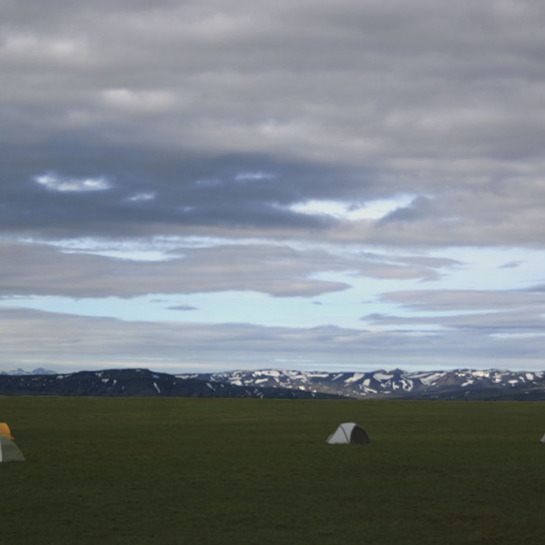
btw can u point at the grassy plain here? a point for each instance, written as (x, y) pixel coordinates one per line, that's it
(240, 471)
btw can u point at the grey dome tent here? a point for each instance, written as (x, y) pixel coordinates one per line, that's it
(9, 451)
(349, 432)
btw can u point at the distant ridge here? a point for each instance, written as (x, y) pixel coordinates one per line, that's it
(492, 384)
(138, 383)
(19, 371)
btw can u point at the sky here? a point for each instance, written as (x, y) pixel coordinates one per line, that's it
(197, 186)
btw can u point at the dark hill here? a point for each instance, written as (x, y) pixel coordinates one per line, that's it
(137, 383)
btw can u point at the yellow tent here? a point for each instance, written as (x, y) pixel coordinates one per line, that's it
(4, 430)
(9, 451)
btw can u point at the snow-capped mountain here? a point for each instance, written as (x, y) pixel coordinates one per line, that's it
(492, 384)
(137, 383)
(457, 384)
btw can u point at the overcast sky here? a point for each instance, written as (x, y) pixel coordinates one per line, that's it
(304, 184)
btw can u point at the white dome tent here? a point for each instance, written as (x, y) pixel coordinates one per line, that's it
(348, 432)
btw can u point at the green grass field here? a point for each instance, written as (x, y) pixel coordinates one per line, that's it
(241, 471)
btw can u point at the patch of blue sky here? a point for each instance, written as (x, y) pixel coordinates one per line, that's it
(492, 268)
(214, 307)
(341, 309)
(370, 210)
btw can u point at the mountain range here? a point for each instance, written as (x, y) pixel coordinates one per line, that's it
(138, 383)
(460, 384)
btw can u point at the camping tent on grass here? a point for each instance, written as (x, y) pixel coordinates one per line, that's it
(9, 451)
(349, 432)
(4, 430)
(542, 439)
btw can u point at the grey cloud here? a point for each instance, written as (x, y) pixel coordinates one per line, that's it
(183, 195)
(518, 332)
(348, 101)
(29, 269)
(98, 343)
(464, 300)
(494, 314)
(512, 265)
(509, 322)
(40, 269)
(537, 289)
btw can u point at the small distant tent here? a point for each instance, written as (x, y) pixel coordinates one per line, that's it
(5, 431)
(9, 451)
(542, 439)
(349, 432)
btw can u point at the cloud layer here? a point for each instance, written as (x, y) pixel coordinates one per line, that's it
(298, 149)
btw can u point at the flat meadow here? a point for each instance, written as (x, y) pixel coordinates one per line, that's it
(246, 471)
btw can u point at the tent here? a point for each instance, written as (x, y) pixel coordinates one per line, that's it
(349, 432)
(9, 451)
(542, 439)
(4, 430)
